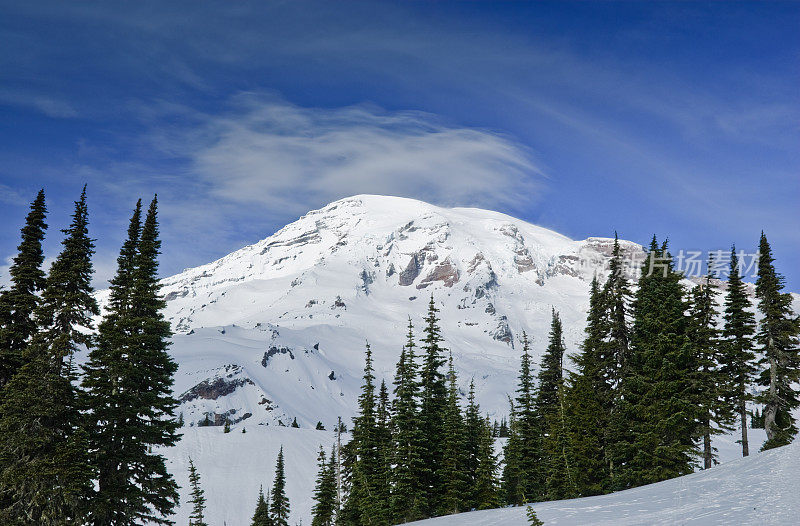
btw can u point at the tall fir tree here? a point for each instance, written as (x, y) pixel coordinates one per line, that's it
(323, 513)
(408, 501)
(556, 447)
(18, 303)
(45, 476)
(473, 424)
(711, 384)
(127, 421)
(279, 502)
(589, 401)
(777, 338)
(616, 298)
(614, 356)
(384, 454)
(261, 516)
(512, 481)
(485, 492)
(737, 358)
(453, 467)
(523, 477)
(362, 462)
(198, 499)
(433, 393)
(657, 406)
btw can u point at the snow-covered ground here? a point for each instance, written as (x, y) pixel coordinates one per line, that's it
(759, 490)
(232, 466)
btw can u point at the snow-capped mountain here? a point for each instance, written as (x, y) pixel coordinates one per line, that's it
(276, 331)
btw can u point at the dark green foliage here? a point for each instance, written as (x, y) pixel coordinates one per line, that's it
(198, 497)
(473, 424)
(529, 434)
(227, 426)
(512, 484)
(557, 449)
(294, 423)
(45, 477)
(711, 383)
(757, 420)
(737, 357)
(453, 467)
(408, 501)
(279, 502)
(324, 509)
(777, 338)
(367, 501)
(533, 520)
(126, 421)
(485, 492)
(433, 401)
(18, 303)
(589, 403)
(320, 427)
(657, 412)
(261, 516)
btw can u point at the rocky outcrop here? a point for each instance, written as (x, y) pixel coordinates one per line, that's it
(219, 419)
(446, 272)
(213, 388)
(274, 351)
(412, 270)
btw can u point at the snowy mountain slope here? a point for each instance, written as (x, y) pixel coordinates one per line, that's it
(286, 319)
(758, 490)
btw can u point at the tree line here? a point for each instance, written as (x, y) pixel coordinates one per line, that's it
(77, 443)
(660, 372)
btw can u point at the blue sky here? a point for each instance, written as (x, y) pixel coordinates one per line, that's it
(680, 119)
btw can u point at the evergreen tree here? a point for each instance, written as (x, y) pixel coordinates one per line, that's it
(529, 428)
(533, 520)
(614, 355)
(279, 504)
(432, 407)
(777, 337)
(717, 412)
(737, 357)
(473, 424)
(512, 484)
(560, 479)
(261, 516)
(324, 509)
(616, 297)
(384, 454)
(452, 472)
(45, 475)
(657, 405)
(589, 401)
(408, 501)
(485, 489)
(129, 382)
(18, 303)
(198, 497)
(362, 463)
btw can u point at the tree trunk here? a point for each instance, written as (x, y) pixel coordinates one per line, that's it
(771, 407)
(743, 415)
(707, 455)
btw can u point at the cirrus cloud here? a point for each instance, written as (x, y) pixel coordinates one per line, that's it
(266, 151)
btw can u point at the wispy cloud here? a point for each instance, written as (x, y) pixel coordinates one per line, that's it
(266, 151)
(45, 104)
